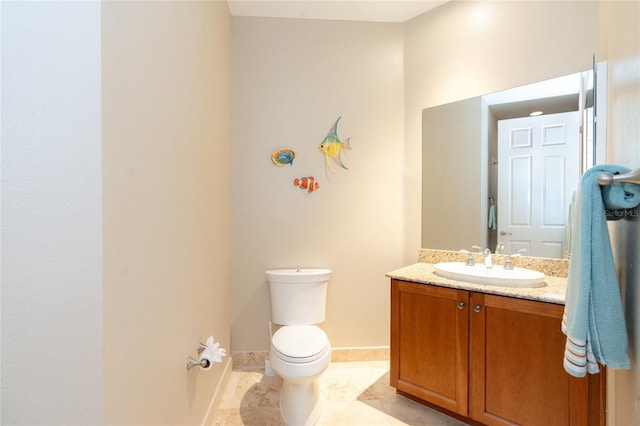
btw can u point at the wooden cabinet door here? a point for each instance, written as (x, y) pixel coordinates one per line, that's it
(517, 375)
(430, 344)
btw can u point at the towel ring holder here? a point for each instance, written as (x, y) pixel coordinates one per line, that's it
(630, 177)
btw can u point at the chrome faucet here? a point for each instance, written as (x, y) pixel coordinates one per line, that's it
(488, 260)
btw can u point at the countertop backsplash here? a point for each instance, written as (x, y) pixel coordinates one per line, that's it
(549, 267)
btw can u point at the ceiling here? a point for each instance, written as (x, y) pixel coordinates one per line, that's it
(551, 96)
(554, 105)
(339, 10)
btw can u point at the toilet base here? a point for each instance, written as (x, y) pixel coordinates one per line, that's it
(300, 403)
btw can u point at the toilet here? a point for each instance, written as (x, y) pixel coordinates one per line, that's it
(300, 350)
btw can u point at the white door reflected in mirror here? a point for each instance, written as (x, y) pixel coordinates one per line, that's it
(540, 169)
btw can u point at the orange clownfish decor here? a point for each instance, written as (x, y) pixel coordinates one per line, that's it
(308, 183)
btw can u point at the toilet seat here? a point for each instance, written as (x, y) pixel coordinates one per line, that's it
(299, 344)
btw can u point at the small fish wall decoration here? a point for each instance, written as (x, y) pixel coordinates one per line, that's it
(309, 183)
(283, 156)
(332, 146)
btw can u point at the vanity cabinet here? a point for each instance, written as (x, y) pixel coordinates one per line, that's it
(496, 360)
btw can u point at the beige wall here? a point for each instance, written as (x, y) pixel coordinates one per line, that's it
(293, 77)
(291, 80)
(465, 49)
(620, 45)
(51, 257)
(167, 205)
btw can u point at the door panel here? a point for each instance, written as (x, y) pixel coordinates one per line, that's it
(520, 191)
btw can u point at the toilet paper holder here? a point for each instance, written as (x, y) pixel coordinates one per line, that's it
(214, 353)
(204, 363)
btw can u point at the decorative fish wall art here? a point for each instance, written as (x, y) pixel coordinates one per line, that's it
(332, 146)
(283, 156)
(309, 183)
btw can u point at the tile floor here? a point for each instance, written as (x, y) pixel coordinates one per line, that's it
(353, 394)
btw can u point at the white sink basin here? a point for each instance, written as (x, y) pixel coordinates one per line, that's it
(479, 274)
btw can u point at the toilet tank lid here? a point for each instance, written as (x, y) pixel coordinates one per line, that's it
(298, 275)
(299, 341)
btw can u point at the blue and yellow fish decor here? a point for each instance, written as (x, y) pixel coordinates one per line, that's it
(283, 156)
(332, 146)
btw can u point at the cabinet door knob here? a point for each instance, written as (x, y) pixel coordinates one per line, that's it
(460, 305)
(477, 308)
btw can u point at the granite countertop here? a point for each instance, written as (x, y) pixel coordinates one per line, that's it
(422, 272)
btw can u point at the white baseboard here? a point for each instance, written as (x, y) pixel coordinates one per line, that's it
(217, 394)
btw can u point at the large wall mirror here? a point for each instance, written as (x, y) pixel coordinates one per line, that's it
(500, 170)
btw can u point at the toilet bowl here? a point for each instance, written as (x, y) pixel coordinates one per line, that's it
(300, 350)
(300, 354)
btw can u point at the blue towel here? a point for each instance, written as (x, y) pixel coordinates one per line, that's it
(492, 217)
(593, 319)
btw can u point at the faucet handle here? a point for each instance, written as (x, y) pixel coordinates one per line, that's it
(470, 261)
(507, 263)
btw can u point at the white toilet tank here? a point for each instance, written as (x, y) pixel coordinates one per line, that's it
(298, 296)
